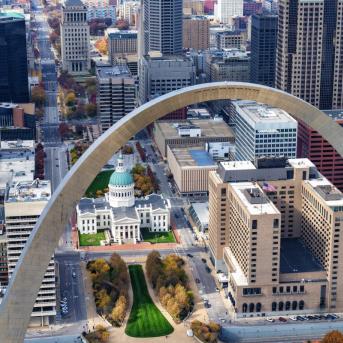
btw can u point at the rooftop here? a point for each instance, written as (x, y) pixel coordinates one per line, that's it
(335, 114)
(193, 157)
(156, 201)
(209, 128)
(202, 212)
(260, 114)
(10, 16)
(237, 165)
(116, 33)
(295, 257)
(109, 71)
(37, 190)
(254, 199)
(327, 191)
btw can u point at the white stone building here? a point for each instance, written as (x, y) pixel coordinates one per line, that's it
(122, 214)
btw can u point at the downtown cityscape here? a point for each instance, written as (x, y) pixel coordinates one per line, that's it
(171, 171)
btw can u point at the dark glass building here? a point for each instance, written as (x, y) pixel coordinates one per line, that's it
(162, 26)
(263, 49)
(13, 59)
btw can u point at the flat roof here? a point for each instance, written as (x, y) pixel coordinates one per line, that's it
(112, 71)
(193, 157)
(202, 212)
(327, 191)
(295, 257)
(237, 165)
(37, 190)
(266, 207)
(209, 128)
(7, 16)
(260, 114)
(335, 114)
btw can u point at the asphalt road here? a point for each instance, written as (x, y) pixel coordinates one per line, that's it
(71, 287)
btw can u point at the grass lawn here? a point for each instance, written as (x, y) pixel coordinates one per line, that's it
(145, 319)
(91, 239)
(99, 183)
(157, 237)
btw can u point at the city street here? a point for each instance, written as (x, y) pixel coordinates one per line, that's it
(71, 286)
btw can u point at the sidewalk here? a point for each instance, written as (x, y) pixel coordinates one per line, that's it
(139, 246)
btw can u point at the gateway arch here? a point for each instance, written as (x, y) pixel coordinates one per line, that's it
(16, 307)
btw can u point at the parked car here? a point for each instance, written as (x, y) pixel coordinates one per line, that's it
(293, 318)
(73, 275)
(272, 320)
(190, 255)
(282, 319)
(208, 269)
(197, 280)
(217, 289)
(203, 260)
(301, 318)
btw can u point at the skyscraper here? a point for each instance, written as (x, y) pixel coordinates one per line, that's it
(13, 59)
(310, 51)
(162, 26)
(263, 49)
(226, 10)
(75, 38)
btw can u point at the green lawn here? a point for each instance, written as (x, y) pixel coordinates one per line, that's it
(145, 319)
(91, 239)
(157, 237)
(99, 183)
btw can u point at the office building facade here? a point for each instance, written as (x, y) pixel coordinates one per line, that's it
(75, 38)
(263, 49)
(314, 147)
(162, 24)
(163, 74)
(116, 94)
(23, 206)
(121, 43)
(13, 59)
(196, 34)
(262, 131)
(275, 228)
(226, 10)
(309, 51)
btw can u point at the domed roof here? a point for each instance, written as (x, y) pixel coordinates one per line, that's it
(121, 177)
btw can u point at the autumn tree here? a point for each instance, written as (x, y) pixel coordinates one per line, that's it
(119, 310)
(333, 337)
(70, 99)
(138, 169)
(38, 96)
(90, 110)
(102, 46)
(206, 332)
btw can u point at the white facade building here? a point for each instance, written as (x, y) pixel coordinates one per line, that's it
(75, 38)
(263, 131)
(226, 10)
(23, 206)
(120, 213)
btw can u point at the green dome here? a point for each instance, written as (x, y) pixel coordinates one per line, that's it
(121, 179)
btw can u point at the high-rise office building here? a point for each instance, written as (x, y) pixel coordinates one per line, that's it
(310, 51)
(23, 205)
(13, 58)
(262, 131)
(314, 147)
(116, 94)
(163, 74)
(229, 65)
(275, 229)
(263, 49)
(75, 38)
(196, 34)
(162, 22)
(121, 43)
(226, 10)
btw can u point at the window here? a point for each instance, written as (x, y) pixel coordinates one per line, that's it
(274, 305)
(301, 304)
(254, 224)
(276, 223)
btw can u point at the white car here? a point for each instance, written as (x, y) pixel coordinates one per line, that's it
(293, 318)
(270, 320)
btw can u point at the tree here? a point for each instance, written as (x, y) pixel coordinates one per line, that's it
(102, 46)
(138, 169)
(38, 96)
(70, 99)
(103, 299)
(333, 337)
(119, 310)
(127, 149)
(90, 110)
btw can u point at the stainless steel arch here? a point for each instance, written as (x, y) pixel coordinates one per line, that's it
(18, 302)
